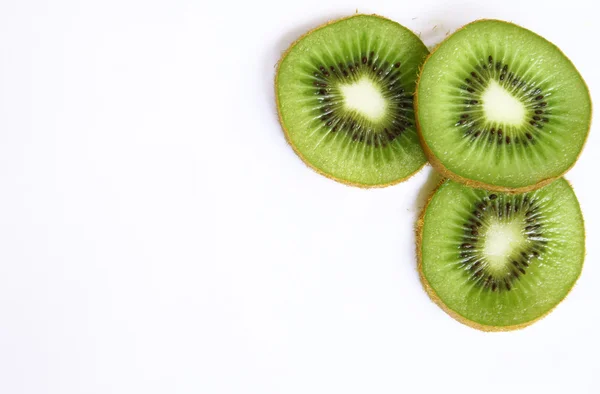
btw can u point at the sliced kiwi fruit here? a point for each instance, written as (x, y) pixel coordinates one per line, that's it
(344, 94)
(501, 108)
(500, 261)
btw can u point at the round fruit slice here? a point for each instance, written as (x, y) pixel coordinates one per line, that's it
(501, 108)
(345, 99)
(497, 261)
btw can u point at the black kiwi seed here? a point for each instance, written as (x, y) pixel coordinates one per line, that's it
(476, 223)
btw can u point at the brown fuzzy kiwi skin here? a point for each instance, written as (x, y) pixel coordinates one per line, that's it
(286, 133)
(438, 301)
(445, 172)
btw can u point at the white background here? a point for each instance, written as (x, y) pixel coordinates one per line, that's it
(158, 235)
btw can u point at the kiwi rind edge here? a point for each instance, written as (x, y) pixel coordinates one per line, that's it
(445, 172)
(285, 131)
(456, 316)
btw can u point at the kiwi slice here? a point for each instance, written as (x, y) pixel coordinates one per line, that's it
(501, 108)
(498, 261)
(344, 94)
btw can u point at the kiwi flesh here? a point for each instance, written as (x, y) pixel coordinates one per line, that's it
(344, 95)
(500, 261)
(501, 108)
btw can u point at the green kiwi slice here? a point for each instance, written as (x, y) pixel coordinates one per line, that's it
(501, 108)
(498, 261)
(344, 94)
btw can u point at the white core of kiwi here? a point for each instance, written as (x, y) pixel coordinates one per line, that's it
(365, 98)
(501, 238)
(502, 107)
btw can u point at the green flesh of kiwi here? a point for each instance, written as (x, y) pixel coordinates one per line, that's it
(500, 107)
(499, 261)
(345, 100)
